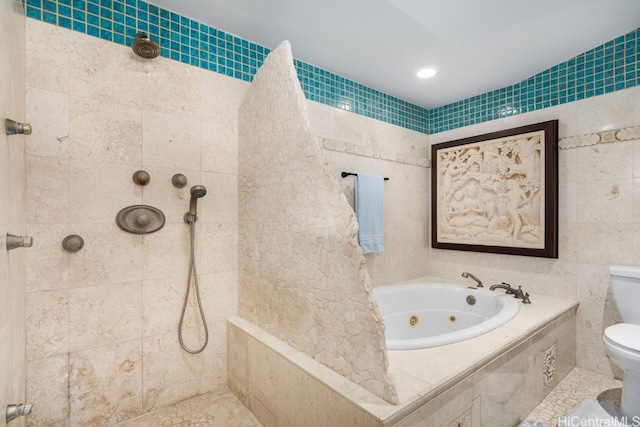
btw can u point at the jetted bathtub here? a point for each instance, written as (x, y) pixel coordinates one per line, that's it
(421, 315)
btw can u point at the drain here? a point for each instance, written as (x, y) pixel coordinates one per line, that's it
(453, 319)
(413, 321)
(471, 300)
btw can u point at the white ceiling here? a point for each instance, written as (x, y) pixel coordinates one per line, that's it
(477, 45)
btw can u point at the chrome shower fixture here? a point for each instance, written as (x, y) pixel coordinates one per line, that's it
(11, 127)
(144, 47)
(197, 191)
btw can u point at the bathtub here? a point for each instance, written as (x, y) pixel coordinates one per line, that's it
(422, 315)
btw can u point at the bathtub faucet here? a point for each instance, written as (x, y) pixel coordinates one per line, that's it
(517, 293)
(465, 275)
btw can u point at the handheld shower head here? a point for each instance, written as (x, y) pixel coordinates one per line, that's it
(197, 191)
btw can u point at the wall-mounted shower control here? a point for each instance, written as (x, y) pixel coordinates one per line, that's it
(73, 243)
(141, 177)
(18, 242)
(14, 411)
(11, 127)
(179, 181)
(140, 219)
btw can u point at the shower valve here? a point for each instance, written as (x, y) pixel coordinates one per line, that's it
(18, 242)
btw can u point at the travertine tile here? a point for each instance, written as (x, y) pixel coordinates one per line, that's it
(48, 115)
(47, 190)
(104, 315)
(104, 132)
(47, 62)
(105, 384)
(171, 141)
(48, 389)
(104, 71)
(47, 319)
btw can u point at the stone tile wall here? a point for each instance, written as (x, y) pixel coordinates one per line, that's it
(599, 167)
(12, 208)
(102, 341)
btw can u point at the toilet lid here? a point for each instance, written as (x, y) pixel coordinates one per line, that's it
(624, 335)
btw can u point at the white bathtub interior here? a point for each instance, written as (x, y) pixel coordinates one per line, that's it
(428, 314)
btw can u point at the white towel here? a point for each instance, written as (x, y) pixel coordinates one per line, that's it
(369, 198)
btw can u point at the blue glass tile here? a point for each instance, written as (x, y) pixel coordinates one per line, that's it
(64, 11)
(34, 13)
(118, 7)
(93, 31)
(93, 8)
(79, 27)
(34, 3)
(105, 13)
(142, 26)
(105, 24)
(93, 20)
(118, 38)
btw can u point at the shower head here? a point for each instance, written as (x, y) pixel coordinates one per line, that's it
(198, 191)
(144, 47)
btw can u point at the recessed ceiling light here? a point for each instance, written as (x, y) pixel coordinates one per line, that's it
(425, 73)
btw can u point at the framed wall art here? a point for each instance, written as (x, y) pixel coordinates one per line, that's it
(497, 192)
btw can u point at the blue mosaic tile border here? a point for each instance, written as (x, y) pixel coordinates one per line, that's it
(610, 67)
(188, 41)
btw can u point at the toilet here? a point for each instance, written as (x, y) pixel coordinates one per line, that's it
(622, 341)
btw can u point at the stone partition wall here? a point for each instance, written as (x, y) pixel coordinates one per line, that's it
(302, 275)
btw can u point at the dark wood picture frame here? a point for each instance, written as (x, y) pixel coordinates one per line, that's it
(497, 192)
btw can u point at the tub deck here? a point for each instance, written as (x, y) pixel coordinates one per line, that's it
(459, 377)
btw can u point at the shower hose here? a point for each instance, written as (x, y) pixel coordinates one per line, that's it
(192, 272)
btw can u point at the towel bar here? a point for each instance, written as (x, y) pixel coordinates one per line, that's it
(346, 174)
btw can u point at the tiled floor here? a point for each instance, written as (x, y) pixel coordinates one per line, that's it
(577, 385)
(222, 409)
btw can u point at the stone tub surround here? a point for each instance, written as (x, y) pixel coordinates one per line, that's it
(499, 375)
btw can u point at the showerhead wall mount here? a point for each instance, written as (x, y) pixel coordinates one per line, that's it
(197, 191)
(144, 47)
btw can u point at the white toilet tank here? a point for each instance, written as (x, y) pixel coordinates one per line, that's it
(625, 286)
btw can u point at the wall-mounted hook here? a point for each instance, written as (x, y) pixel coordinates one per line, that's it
(141, 177)
(12, 127)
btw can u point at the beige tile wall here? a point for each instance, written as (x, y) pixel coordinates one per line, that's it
(101, 323)
(12, 208)
(598, 216)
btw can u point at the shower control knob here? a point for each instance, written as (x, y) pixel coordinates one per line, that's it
(179, 180)
(143, 220)
(14, 242)
(141, 177)
(73, 243)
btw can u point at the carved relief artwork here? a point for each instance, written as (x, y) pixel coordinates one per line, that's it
(497, 192)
